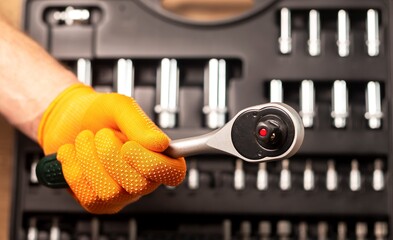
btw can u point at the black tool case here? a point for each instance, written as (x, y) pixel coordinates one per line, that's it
(145, 33)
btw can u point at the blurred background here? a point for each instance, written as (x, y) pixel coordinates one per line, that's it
(12, 11)
(328, 59)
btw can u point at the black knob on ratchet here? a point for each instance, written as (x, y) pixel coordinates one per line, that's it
(266, 132)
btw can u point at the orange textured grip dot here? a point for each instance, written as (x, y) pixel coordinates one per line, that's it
(109, 149)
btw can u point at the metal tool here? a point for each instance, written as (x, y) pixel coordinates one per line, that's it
(84, 71)
(322, 231)
(381, 230)
(372, 37)
(373, 113)
(32, 232)
(266, 132)
(124, 83)
(343, 29)
(271, 131)
(193, 176)
(227, 229)
(303, 231)
(215, 108)
(342, 231)
(55, 232)
(245, 230)
(307, 103)
(95, 228)
(276, 91)
(239, 176)
(314, 36)
(355, 178)
(361, 231)
(331, 176)
(262, 177)
(71, 15)
(285, 40)
(132, 229)
(33, 175)
(264, 230)
(340, 104)
(285, 176)
(378, 176)
(167, 93)
(284, 230)
(308, 177)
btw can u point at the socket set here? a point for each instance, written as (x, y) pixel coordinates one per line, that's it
(329, 60)
(47, 227)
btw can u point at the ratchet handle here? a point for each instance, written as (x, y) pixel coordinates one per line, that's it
(260, 133)
(49, 172)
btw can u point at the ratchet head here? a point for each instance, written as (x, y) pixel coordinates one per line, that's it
(266, 132)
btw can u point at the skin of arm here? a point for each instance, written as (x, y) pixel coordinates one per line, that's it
(30, 79)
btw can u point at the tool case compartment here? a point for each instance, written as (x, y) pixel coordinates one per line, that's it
(145, 33)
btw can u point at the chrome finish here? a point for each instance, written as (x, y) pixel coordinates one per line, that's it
(72, 15)
(125, 77)
(339, 104)
(239, 176)
(378, 176)
(342, 231)
(355, 179)
(32, 232)
(307, 103)
(331, 176)
(372, 36)
(276, 91)
(54, 233)
(308, 177)
(285, 175)
(284, 230)
(262, 177)
(285, 39)
(219, 141)
(193, 176)
(343, 29)
(314, 36)
(84, 71)
(167, 93)
(215, 108)
(373, 105)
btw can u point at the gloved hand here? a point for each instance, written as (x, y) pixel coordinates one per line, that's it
(108, 147)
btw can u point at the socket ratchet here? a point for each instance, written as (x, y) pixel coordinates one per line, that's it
(266, 132)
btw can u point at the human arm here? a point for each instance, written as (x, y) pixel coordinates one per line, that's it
(109, 149)
(30, 79)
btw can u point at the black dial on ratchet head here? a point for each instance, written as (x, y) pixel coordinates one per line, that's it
(266, 132)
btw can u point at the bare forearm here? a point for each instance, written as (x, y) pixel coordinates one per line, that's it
(29, 78)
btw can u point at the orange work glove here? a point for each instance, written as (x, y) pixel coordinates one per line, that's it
(109, 149)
